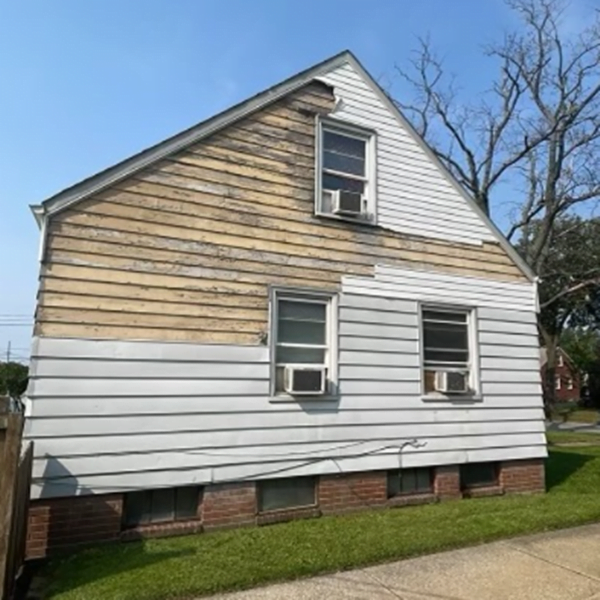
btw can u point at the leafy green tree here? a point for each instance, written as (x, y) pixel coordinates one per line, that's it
(583, 347)
(13, 379)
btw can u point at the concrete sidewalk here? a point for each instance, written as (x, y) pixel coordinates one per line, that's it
(563, 565)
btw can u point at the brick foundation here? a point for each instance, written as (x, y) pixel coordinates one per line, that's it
(522, 476)
(229, 505)
(347, 492)
(446, 483)
(61, 524)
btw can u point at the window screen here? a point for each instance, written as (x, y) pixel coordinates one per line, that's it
(478, 474)
(277, 494)
(409, 481)
(157, 506)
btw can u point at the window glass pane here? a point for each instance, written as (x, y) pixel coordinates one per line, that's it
(460, 357)
(423, 480)
(186, 502)
(475, 474)
(393, 483)
(343, 163)
(437, 315)
(311, 311)
(301, 332)
(276, 494)
(286, 354)
(137, 508)
(408, 481)
(446, 336)
(342, 144)
(333, 182)
(163, 505)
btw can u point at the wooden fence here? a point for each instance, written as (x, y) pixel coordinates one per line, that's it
(15, 481)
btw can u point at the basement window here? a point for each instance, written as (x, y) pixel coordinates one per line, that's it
(474, 475)
(345, 186)
(281, 494)
(159, 506)
(409, 481)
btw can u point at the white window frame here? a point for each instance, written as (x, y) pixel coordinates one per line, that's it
(330, 299)
(560, 361)
(473, 364)
(369, 136)
(570, 384)
(557, 382)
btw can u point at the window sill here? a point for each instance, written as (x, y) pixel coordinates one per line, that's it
(163, 529)
(458, 398)
(282, 515)
(302, 399)
(367, 222)
(412, 499)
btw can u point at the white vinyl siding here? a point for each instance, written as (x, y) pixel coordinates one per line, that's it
(119, 416)
(413, 195)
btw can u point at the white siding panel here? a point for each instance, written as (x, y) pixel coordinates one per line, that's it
(499, 296)
(407, 177)
(119, 415)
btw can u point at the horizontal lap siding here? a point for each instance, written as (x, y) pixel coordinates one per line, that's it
(413, 194)
(123, 415)
(186, 249)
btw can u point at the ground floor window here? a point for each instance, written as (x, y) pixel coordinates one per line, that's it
(409, 481)
(478, 475)
(278, 494)
(162, 505)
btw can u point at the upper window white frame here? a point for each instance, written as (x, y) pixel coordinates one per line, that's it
(473, 362)
(330, 347)
(350, 130)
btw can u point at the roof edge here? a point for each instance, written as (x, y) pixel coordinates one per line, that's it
(179, 141)
(504, 243)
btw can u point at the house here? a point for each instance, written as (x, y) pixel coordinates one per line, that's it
(290, 309)
(567, 385)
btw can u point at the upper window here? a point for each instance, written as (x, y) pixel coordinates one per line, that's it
(303, 334)
(447, 353)
(561, 361)
(345, 173)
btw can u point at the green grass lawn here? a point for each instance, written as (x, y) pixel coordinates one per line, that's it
(557, 438)
(575, 415)
(202, 564)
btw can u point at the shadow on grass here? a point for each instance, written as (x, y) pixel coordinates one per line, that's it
(127, 557)
(563, 465)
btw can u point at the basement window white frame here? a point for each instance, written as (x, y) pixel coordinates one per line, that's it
(449, 343)
(345, 160)
(303, 328)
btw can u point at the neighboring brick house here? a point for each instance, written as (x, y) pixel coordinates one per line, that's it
(567, 383)
(290, 309)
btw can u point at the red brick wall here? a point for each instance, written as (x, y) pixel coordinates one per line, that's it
(523, 476)
(446, 484)
(347, 492)
(62, 523)
(566, 372)
(229, 505)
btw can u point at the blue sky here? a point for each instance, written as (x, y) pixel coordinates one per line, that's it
(88, 83)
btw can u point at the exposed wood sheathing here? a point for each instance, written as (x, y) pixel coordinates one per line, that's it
(186, 249)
